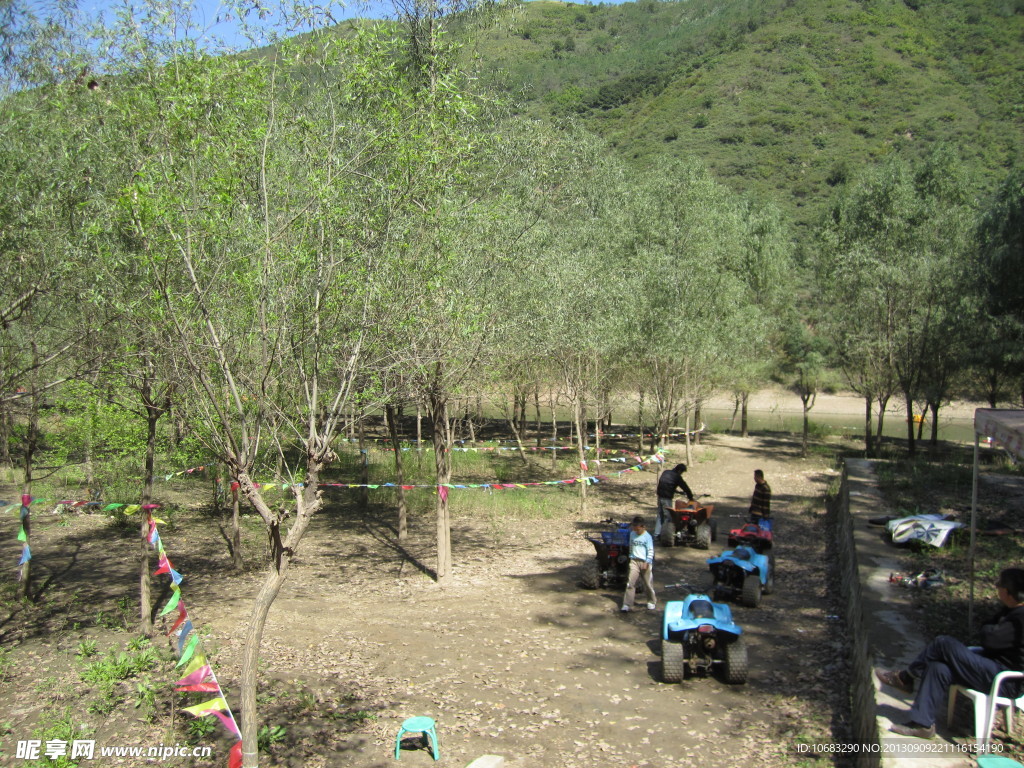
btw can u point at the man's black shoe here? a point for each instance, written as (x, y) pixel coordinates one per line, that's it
(913, 729)
(896, 678)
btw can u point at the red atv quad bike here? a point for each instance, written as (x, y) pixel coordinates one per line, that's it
(757, 536)
(689, 522)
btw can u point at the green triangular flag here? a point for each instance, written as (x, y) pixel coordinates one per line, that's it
(173, 602)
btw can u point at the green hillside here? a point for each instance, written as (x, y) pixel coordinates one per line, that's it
(780, 98)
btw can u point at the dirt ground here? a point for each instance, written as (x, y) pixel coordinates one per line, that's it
(513, 658)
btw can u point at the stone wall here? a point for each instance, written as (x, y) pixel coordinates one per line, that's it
(863, 725)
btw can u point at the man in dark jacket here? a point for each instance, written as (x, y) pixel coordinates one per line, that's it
(761, 501)
(946, 661)
(670, 480)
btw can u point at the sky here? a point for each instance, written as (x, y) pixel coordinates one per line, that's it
(215, 22)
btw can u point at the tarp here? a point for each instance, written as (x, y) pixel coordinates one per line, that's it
(932, 529)
(1005, 427)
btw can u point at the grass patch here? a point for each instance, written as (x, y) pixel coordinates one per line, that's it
(707, 454)
(919, 486)
(61, 726)
(923, 485)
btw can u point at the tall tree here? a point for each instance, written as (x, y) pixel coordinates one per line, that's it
(1000, 278)
(889, 268)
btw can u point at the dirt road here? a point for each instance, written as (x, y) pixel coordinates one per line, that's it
(512, 659)
(515, 659)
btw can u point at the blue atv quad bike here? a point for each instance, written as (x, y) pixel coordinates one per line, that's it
(743, 572)
(698, 635)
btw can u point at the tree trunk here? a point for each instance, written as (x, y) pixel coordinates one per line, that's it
(153, 414)
(920, 424)
(536, 410)
(686, 428)
(745, 399)
(934, 407)
(31, 444)
(364, 468)
(403, 514)
(419, 428)
(442, 468)
(868, 400)
(883, 403)
(696, 424)
(272, 582)
(236, 531)
(992, 380)
(554, 430)
(640, 424)
(805, 399)
(579, 415)
(5, 436)
(90, 433)
(735, 410)
(519, 441)
(308, 502)
(911, 447)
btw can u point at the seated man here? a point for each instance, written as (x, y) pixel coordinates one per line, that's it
(946, 661)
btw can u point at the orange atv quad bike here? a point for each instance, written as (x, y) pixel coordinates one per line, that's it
(689, 522)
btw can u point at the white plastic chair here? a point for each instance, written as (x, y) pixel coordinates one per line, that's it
(985, 705)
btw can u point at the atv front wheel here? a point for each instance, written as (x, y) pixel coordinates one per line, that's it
(668, 534)
(736, 661)
(702, 536)
(751, 595)
(671, 661)
(591, 576)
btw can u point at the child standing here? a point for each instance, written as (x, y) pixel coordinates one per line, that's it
(641, 563)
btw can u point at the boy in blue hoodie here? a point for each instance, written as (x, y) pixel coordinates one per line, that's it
(641, 563)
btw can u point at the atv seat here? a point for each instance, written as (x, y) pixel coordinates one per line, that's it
(702, 609)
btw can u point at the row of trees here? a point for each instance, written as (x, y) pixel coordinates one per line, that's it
(267, 246)
(921, 288)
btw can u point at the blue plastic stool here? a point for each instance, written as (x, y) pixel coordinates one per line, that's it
(996, 761)
(424, 725)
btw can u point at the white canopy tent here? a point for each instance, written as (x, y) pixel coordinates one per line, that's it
(1005, 427)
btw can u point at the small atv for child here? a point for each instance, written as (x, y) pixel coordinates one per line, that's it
(755, 535)
(745, 572)
(698, 635)
(689, 523)
(611, 563)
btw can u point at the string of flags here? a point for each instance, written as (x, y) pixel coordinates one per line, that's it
(197, 676)
(128, 509)
(196, 673)
(484, 449)
(461, 447)
(656, 458)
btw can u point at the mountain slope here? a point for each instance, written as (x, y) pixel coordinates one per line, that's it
(780, 98)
